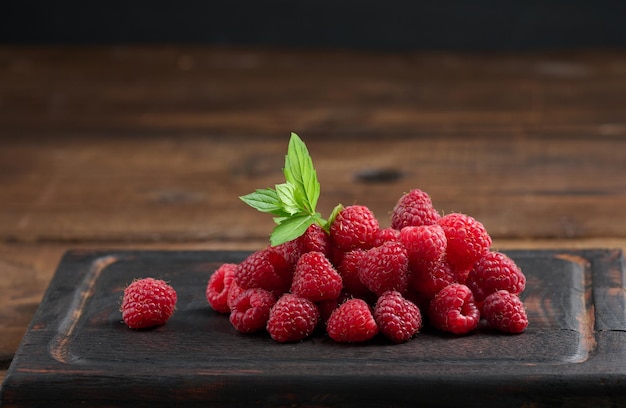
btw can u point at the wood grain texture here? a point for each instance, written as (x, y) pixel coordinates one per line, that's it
(155, 145)
(77, 351)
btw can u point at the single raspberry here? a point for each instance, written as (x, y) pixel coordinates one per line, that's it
(315, 278)
(233, 291)
(397, 318)
(352, 322)
(453, 310)
(505, 312)
(315, 239)
(385, 268)
(425, 244)
(386, 234)
(495, 271)
(218, 286)
(355, 227)
(349, 271)
(413, 209)
(462, 274)
(429, 280)
(467, 238)
(292, 318)
(251, 310)
(147, 302)
(264, 269)
(290, 251)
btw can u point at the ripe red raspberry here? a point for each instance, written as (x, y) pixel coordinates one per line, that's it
(147, 302)
(495, 271)
(233, 291)
(425, 244)
(505, 312)
(315, 278)
(467, 239)
(385, 268)
(461, 274)
(218, 286)
(355, 227)
(386, 234)
(349, 271)
(292, 318)
(251, 310)
(431, 279)
(315, 239)
(453, 310)
(352, 322)
(413, 209)
(264, 269)
(290, 251)
(397, 318)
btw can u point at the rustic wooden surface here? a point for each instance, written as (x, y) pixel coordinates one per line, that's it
(78, 349)
(126, 147)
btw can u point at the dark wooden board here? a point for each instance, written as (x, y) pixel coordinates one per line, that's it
(77, 352)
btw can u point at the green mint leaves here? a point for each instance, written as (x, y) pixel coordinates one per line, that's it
(292, 202)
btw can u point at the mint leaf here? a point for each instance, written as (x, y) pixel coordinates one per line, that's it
(300, 172)
(286, 195)
(264, 200)
(292, 202)
(291, 228)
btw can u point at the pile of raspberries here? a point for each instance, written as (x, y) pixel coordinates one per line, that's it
(359, 280)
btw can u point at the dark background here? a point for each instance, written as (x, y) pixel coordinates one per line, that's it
(391, 24)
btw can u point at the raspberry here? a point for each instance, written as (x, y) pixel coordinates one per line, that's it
(430, 280)
(315, 239)
(349, 271)
(292, 318)
(233, 291)
(495, 271)
(290, 251)
(397, 318)
(315, 278)
(413, 209)
(264, 269)
(251, 310)
(218, 286)
(453, 310)
(355, 227)
(147, 302)
(425, 244)
(467, 239)
(461, 274)
(352, 322)
(505, 312)
(385, 268)
(386, 234)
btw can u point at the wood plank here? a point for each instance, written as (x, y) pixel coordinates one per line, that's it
(261, 92)
(168, 188)
(78, 351)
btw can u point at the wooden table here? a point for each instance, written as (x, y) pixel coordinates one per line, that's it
(149, 148)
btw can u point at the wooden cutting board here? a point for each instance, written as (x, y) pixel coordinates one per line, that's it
(77, 352)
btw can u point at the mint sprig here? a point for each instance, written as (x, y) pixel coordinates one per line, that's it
(293, 202)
